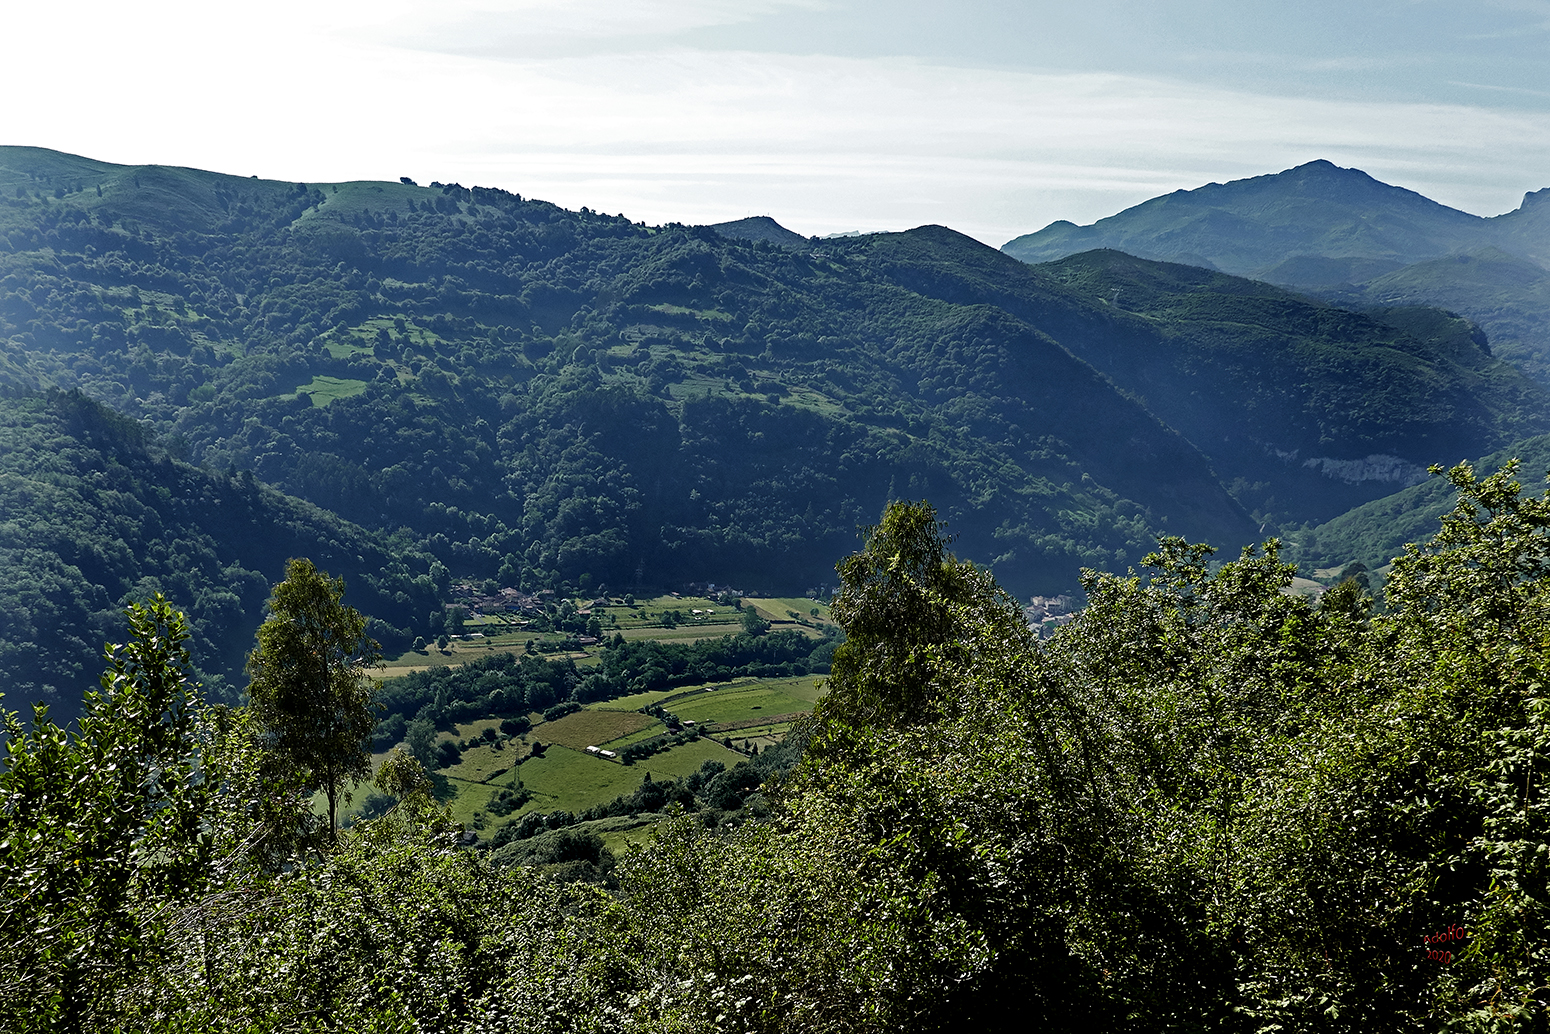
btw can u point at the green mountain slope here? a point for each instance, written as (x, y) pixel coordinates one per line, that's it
(761, 228)
(1509, 297)
(1377, 532)
(1350, 239)
(1307, 408)
(96, 516)
(1251, 225)
(543, 397)
(549, 395)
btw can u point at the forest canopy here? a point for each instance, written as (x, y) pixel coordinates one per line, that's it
(1203, 804)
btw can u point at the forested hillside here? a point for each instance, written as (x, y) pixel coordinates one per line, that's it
(1376, 532)
(1304, 409)
(544, 397)
(555, 395)
(96, 516)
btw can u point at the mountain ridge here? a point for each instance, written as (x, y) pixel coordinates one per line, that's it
(1248, 226)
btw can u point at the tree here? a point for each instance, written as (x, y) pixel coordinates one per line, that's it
(753, 624)
(101, 829)
(904, 601)
(402, 775)
(308, 683)
(421, 740)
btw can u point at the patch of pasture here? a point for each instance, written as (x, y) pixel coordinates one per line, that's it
(570, 780)
(739, 703)
(641, 829)
(655, 729)
(688, 632)
(781, 608)
(466, 797)
(469, 729)
(682, 760)
(636, 701)
(592, 728)
(480, 764)
(323, 390)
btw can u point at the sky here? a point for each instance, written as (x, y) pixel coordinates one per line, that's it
(993, 117)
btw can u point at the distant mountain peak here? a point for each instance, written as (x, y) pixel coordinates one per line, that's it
(1250, 226)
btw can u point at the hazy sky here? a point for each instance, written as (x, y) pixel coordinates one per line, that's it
(992, 117)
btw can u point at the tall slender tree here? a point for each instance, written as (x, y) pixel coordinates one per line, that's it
(308, 685)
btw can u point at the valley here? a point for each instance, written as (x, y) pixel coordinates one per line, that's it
(492, 388)
(1035, 749)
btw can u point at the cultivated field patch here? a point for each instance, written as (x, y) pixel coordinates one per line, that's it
(592, 728)
(781, 608)
(684, 759)
(636, 701)
(324, 390)
(571, 780)
(740, 703)
(479, 764)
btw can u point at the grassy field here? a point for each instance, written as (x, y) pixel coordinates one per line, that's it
(655, 729)
(636, 701)
(498, 639)
(480, 764)
(593, 728)
(465, 797)
(635, 829)
(689, 632)
(505, 634)
(738, 702)
(570, 780)
(762, 736)
(684, 759)
(324, 390)
(467, 729)
(781, 608)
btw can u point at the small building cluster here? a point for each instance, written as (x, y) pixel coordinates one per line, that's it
(1044, 614)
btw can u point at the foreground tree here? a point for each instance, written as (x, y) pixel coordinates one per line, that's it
(102, 830)
(310, 695)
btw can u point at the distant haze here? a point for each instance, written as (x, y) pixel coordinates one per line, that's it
(993, 118)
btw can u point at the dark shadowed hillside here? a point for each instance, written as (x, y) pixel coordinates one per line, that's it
(96, 516)
(1305, 408)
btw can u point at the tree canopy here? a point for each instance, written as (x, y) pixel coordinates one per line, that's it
(309, 692)
(1204, 804)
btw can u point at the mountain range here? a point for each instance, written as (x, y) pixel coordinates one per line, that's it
(1346, 237)
(431, 383)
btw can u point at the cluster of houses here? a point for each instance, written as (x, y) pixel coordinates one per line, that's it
(1044, 614)
(505, 601)
(509, 600)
